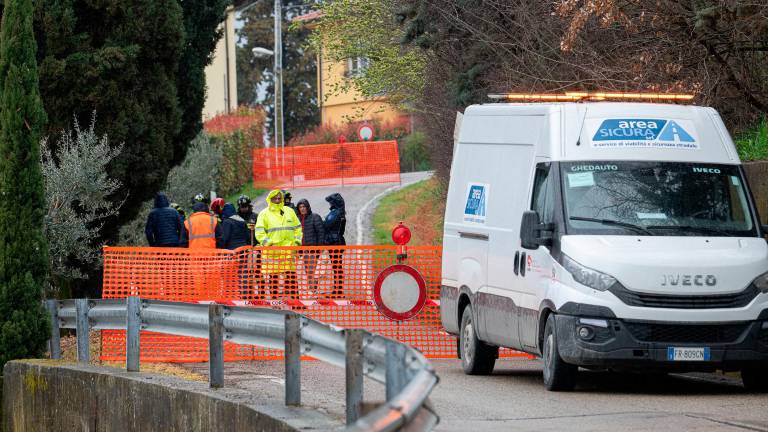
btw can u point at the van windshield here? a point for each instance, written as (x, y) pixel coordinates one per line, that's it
(656, 198)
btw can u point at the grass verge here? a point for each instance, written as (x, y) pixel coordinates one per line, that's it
(246, 189)
(420, 206)
(753, 144)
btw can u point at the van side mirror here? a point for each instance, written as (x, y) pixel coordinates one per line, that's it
(531, 231)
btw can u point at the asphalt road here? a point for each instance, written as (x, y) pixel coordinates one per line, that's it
(513, 398)
(359, 199)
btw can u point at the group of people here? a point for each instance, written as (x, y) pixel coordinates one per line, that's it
(222, 225)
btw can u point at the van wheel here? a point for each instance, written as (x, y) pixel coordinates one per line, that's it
(755, 379)
(477, 357)
(558, 375)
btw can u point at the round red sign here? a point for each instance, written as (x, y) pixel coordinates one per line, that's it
(365, 132)
(400, 292)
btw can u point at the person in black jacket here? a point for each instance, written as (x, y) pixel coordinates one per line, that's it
(234, 232)
(311, 224)
(335, 224)
(313, 231)
(164, 228)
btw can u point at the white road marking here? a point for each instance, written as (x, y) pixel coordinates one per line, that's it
(361, 213)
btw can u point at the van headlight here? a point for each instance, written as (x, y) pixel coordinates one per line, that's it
(761, 282)
(587, 276)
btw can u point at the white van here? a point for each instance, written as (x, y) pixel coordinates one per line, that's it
(603, 235)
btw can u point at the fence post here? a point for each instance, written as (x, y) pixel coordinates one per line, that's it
(82, 328)
(354, 373)
(133, 326)
(216, 345)
(54, 343)
(292, 359)
(396, 369)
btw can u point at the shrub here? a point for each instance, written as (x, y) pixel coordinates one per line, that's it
(236, 135)
(198, 173)
(413, 153)
(327, 134)
(753, 144)
(236, 167)
(79, 193)
(244, 118)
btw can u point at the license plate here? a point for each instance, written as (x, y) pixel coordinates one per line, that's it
(687, 354)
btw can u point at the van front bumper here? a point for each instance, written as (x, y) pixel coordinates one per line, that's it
(644, 344)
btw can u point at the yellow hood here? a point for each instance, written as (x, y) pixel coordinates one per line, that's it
(270, 204)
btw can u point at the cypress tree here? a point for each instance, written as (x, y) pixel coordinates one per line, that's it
(119, 58)
(201, 22)
(23, 249)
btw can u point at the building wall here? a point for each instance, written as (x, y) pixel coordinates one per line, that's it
(350, 105)
(221, 74)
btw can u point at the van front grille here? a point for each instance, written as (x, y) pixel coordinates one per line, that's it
(686, 333)
(719, 301)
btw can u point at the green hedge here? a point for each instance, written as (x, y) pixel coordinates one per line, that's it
(236, 168)
(752, 145)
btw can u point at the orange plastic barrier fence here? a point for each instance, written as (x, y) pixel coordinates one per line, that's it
(330, 284)
(327, 165)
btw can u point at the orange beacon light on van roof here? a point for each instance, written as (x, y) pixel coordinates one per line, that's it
(590, 96)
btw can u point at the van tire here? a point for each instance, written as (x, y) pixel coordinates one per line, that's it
(477, 357)
(558, 375)
(755, 379)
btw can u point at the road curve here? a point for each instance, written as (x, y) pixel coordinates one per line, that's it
(514, 398)
(361, 201)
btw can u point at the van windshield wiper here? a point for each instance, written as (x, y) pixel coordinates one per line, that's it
(613, 222)
(692, 228)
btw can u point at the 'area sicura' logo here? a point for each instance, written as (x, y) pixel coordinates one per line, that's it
(656, 133)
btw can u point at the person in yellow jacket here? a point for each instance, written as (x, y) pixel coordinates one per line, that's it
(278, 225)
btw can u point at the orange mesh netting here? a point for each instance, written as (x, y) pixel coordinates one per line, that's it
(327, 165)
(331, 284)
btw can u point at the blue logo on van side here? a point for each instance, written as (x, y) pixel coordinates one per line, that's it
(629, 129)
(673, 132)
(642, 130)
(474, 210)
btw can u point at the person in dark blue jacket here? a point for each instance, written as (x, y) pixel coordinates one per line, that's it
(335, 224)
(234, 232)
(231, 234)
(165, 228)
(336, 221)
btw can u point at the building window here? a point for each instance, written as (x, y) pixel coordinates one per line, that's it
(356, 66)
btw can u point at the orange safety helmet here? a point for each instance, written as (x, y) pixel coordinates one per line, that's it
(217, 205)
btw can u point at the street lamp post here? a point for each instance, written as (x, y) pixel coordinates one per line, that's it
(278, 74)
(279, 140)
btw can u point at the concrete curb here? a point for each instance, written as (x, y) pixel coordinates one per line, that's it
(44, 395)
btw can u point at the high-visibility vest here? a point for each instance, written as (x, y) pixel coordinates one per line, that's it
(202, 230)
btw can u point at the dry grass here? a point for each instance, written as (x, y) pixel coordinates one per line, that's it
(420, 206)
(69, 354)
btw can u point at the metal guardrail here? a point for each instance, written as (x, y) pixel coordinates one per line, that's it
(408, 376)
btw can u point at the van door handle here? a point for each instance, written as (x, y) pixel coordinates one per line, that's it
(517, 263)
(522, 264)
(472, 235)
